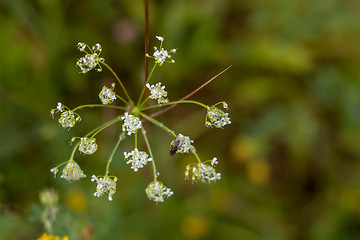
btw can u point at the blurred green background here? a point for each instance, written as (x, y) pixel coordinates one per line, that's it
(289, 160)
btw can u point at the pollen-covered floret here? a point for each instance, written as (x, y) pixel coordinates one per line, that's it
(91, 60)
(161, 55)
(88, 145)
(216, 117)
(138, 159)
(131, 123)
(72, 171)
(156, 191)
(67, 118)
(182, 144)
(105, 185)
(203, 172)
(107, 95)
(158, 92)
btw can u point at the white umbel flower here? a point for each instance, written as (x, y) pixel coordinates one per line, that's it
(203, 172)
(91, 60)
(156, 191)
(216, 117)
(138, 159)
(158, 92)
(131, 123)
(105, 185)
(72, 171)
(107, 95)
(88, 145)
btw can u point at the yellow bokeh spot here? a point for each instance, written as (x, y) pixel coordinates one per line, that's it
(194, 227)
(244, 149)
(258, 172)
(77, 201)
(350, 199)
(44, 236)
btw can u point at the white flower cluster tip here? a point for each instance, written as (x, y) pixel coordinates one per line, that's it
(158, 92)
(131, 123)
(203, 172)
(138, 159)
(68, 118)
(92, 59)
(216, 117)
(156, 191)
(105, 185)
(107, 95)
(71, 171)
(88, 145)
(161, 55)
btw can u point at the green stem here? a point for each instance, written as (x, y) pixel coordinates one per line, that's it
(157, 123)
(121, 137)
(135, 139)
(106, 125)
(97, 105)
(119, 81)
(147, 80)
(151, 155)
(94, 132)
(142, 104)
(197, 157)
(121, 98)
(175, 102)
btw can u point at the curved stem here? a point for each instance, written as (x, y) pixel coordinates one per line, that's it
(97, 105)
(119, 81)
(106, 125)
(175, 103)
(197, 157)
(147, 80)
(150, 152)
(157, 123)
(121, 98)
(121, 137)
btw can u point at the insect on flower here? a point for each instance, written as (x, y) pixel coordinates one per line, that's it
(175, 147)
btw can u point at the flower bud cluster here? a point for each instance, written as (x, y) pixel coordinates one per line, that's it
(105, 185)
(158, 92)
(138, 159)
(88, 145)
(91, 60)
(107, 95)
(156, 191)
(131, 123)
(68, 118)
(203, 172)
(216, 117)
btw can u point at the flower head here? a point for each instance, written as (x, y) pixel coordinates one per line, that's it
(156, 191)
(158, 92)
(105, 184)
(216, 117)
(91, 59)
(138, 159)
(131, 123)
(107, 95)
(67, 118)
(203, 172)
(72, 171)
(181, 144)
(88, 145)
(160, 54)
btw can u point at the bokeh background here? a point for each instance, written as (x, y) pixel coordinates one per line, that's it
(289, 160)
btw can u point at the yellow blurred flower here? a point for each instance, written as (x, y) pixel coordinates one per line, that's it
(194, 227)
(244, 149)
(44, 236)
(77, 201)
(258, 172)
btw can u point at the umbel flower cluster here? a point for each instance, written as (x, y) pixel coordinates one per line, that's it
(131, 117)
